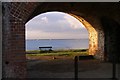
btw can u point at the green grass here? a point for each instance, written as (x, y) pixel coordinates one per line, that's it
(71, 52)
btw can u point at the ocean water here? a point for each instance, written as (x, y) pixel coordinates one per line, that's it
(57, 44)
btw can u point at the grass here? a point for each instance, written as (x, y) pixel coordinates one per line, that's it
(71, 52)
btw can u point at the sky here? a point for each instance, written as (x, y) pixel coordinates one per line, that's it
(55, 25)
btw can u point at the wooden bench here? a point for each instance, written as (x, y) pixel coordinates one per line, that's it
(45, 49)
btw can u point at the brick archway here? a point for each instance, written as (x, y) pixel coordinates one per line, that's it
(93, 37)
(15, 15)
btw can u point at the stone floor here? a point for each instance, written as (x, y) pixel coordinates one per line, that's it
(64, 68)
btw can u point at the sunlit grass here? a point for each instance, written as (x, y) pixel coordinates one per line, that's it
(71, 52)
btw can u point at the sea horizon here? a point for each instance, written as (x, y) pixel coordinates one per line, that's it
(58, 39)
(34, 44)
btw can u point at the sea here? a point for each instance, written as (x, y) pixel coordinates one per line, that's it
(57, 44)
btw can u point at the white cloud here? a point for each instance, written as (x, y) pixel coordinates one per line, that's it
(53, 35)
(74, 23)
(44, 19)
(43, 27)
(37, 35)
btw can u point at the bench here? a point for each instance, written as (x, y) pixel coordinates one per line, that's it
(45, 49)
(86, 57)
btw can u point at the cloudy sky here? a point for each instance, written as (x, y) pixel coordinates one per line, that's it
(55, 25)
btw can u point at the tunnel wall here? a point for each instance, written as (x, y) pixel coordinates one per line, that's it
(16, 14)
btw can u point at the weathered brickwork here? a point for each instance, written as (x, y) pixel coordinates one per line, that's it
(102, 42)
(14, 59)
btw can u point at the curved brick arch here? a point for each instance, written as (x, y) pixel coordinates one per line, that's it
(93, 36)
(16, 14)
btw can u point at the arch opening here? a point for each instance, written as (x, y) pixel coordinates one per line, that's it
(57, 25)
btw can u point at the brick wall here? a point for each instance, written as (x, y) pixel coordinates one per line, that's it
(14, 59)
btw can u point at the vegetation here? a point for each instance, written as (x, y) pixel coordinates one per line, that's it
(71, 52)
